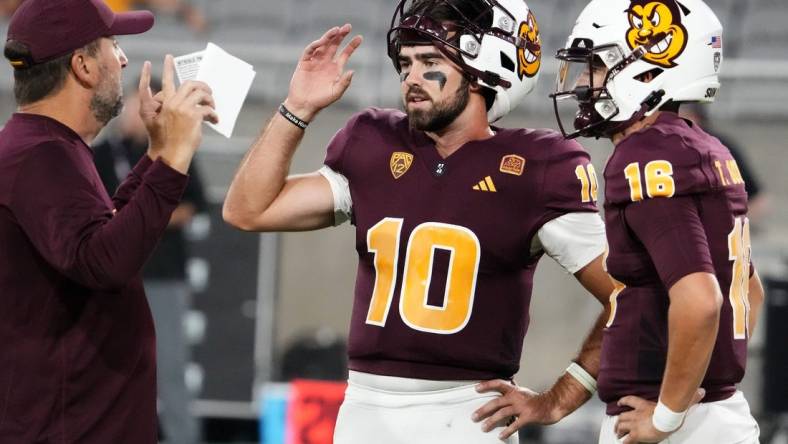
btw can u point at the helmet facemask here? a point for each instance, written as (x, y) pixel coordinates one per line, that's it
(581, 91)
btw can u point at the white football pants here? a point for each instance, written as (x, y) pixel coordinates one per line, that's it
(722, 422)
(398, 411)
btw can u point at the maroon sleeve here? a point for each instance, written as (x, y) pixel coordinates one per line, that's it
(562, 189)
(340, 144)
(126, 189)
(71, 225)
(673, 235)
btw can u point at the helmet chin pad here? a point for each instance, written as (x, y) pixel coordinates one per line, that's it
(586, 116)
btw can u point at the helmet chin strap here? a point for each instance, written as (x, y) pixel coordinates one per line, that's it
(651, 102)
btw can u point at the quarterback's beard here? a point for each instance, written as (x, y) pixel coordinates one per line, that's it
(442, 114)
(107, 102)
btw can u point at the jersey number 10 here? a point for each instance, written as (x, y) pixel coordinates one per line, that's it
(383, 240)
(586, 174)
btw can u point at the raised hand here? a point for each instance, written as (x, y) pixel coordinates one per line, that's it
(149, 106)
(320, 78)
(173, 117)
(516, 407)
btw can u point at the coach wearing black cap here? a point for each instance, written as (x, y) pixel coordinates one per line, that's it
(77, 348)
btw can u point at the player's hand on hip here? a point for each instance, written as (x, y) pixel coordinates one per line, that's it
(174, 116)
(636, 425)
(516, 407)
(320, 78)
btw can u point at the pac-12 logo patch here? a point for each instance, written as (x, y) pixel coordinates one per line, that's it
(400, 163)
(513, 164)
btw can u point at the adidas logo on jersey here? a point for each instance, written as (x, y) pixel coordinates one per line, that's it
(486, 185)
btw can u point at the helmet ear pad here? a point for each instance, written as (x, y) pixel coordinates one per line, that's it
(488, 94)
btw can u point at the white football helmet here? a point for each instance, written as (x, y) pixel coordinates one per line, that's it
(645, 53)
(500, 47)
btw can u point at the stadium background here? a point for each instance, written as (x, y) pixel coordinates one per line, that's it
(270, 307)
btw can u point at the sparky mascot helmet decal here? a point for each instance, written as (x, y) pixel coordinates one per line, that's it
(529, 62)
(656, 25)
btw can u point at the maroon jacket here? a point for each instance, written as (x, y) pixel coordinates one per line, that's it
(77, 344)
(445, 270)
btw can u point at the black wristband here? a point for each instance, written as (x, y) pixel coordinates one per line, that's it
(292, 117)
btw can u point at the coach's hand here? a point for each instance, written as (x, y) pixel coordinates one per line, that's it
(516, 407)
(320, 78)
(636, 426)
(174, 116)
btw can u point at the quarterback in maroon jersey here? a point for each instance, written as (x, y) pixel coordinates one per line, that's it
(687, 297)
(451, 215)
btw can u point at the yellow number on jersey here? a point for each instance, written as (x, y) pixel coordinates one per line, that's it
(739, 252)
(659, 180)
(618, 287)
(383, 242)
(632, 173)
(465, 252)
(718, 165)
(588, 181)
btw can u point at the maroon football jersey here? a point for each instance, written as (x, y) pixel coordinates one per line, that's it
(445, 271)
(675, 204)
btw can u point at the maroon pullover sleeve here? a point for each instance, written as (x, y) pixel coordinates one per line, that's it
(131, 183)
(72, 225)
